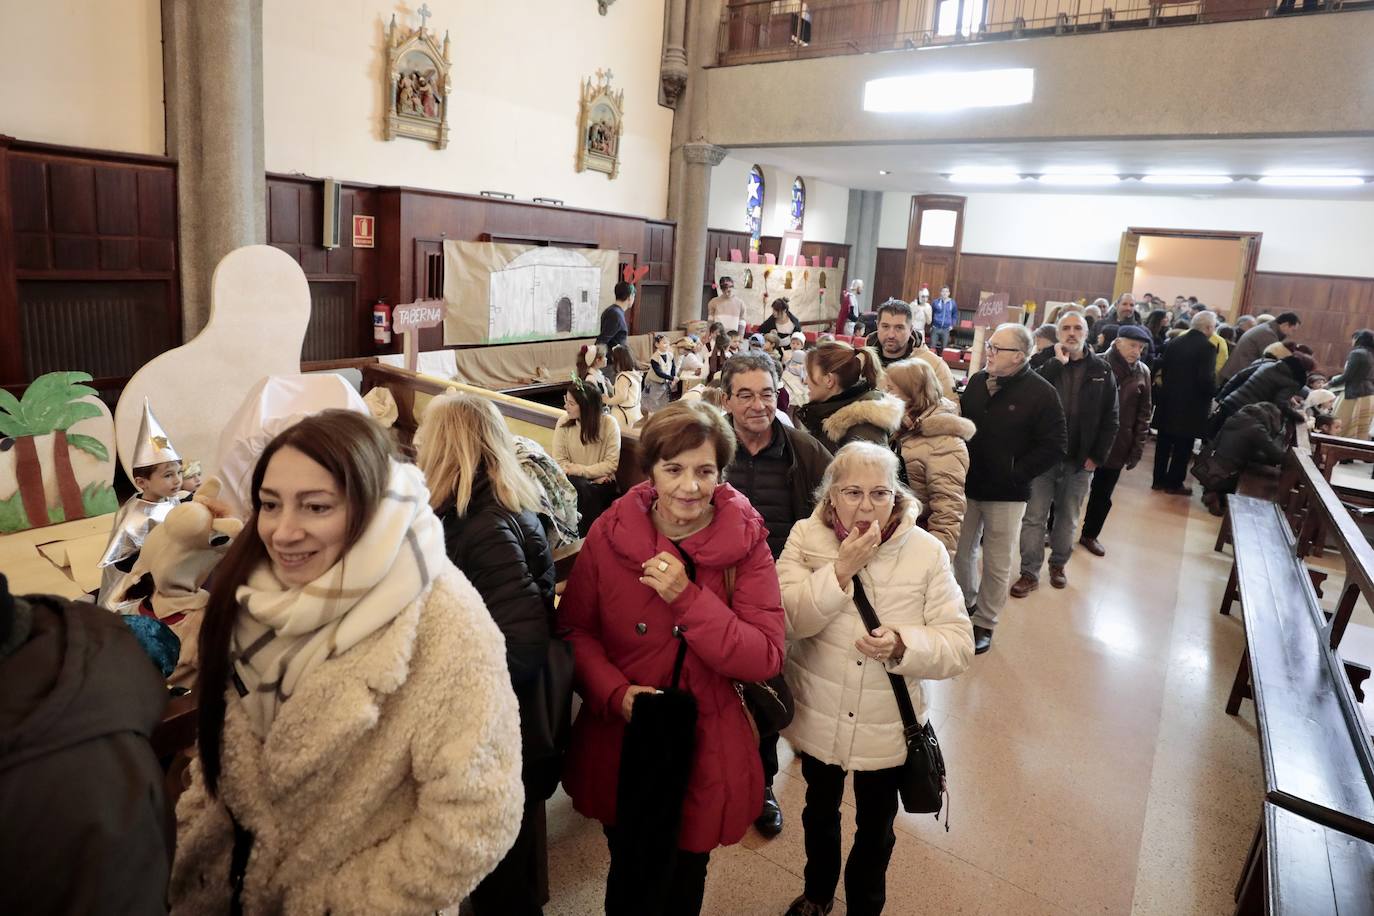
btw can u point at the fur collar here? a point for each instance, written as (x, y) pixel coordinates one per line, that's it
(877, 408)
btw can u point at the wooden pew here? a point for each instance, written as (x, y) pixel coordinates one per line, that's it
(1302, 867)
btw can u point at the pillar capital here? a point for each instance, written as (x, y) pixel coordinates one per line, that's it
(703, 153)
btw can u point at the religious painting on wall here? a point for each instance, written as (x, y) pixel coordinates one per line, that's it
(417, 83)
(600, 125)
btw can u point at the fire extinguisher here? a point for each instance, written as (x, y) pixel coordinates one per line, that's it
(381, 323)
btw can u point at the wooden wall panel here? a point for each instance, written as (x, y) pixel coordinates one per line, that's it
(888, 275)
(1039, 279)
(1332, 309)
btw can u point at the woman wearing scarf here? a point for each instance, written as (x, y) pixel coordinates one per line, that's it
(676, 575)
(359, 738)
(846, 714)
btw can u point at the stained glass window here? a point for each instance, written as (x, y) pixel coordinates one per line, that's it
(798, 203)
(754, 211)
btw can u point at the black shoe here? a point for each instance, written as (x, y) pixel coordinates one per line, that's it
(1179, 491)
(982, 639)
(769, 821)
(803, 907)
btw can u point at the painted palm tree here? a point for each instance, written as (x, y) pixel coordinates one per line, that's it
(49, 406)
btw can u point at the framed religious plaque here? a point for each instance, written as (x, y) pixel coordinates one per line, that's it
(600, 125)
(417, 83)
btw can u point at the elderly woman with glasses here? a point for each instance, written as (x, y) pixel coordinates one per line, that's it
(863, 534)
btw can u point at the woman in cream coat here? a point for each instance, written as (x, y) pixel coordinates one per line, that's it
(359, 738)
(846, 715)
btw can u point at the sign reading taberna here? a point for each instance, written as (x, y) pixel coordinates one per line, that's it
(424, 313)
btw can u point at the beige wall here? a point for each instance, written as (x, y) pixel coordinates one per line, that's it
(1207, 80)
(827, 204)
(83, 74)
(517, 69)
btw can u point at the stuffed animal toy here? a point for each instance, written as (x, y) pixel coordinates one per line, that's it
(179, 555)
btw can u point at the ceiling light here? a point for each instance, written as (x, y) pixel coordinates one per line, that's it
(884, 171)
(1312, 181)
(1185, 179)
(950, 91)
(1079, 179)
(983, 176)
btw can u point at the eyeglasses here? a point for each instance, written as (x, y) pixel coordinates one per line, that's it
(767, 395)
(989, 346)
(853, 496)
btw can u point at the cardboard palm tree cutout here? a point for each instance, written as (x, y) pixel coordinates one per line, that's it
(49, 472)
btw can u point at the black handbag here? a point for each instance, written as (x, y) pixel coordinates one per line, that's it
(923, 788)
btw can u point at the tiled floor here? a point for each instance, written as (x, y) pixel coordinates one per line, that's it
(1093, 767)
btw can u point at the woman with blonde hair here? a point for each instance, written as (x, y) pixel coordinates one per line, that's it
(844, 402)
(488, 508)
(625, 399)
(359, 740)
(860, 546)
(933, 441)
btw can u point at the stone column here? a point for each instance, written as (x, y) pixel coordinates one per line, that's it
(861, 234)
(212, 65)
(689, 273)
(673, 69)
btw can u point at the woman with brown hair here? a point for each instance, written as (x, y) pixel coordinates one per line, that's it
(488, 509)
(674, 597)
(628, 392)
(591, 359)
(844, 403)
(359, 739)
(586, 445)
(933, 441)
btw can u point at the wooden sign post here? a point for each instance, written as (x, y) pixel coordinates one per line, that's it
(408, 319)
(991, 311)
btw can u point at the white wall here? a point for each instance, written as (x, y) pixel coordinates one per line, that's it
(827, 205)
(1300, 236)
(513, 116)
(83, 74)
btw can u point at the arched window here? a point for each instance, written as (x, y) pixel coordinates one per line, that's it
(798, 203)
(754, 208)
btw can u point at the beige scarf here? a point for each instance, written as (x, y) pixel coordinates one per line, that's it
(283, 633)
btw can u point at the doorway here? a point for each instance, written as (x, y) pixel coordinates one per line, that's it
(1218, 267)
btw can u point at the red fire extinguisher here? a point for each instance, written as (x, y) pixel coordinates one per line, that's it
(381, 323)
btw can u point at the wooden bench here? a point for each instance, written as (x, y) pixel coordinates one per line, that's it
(1301, 867)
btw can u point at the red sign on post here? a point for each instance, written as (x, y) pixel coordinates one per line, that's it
(408, 319)
(364, 231)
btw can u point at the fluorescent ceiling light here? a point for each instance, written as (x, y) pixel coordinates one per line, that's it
(950, 91)
(1079, 179)
(1186, 179)
(1312, 181)
(983, 176)
(884, 171)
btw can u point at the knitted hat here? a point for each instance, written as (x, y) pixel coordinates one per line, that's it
(1133, 332)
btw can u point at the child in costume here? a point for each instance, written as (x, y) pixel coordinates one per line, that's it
(794, 370)
(662, 377)
(591, 359)
(191, 474)
(157, 476)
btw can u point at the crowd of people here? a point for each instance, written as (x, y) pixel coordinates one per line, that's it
(385, 668)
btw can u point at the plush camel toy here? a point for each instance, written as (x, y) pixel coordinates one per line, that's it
(179, 554)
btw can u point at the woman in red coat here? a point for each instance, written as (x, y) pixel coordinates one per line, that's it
(654, 567)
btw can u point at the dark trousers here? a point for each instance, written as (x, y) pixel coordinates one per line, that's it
(625, 897)
(1172, 454)
(768, 753)
(592, 500)
(875, 803)
(1099, 500)
(519, 885)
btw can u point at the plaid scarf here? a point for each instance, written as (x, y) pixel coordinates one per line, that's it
(283, 633)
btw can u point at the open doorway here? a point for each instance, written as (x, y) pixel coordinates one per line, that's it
(1215, 266)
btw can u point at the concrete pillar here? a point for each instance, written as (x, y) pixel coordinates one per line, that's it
(212, 65)
(861, 234)
(673, 69)
(689, 273)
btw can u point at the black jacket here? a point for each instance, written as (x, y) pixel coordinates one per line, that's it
(1187, 371)
(1020, 436)
(86, 827)
(859, 413)
(1358, 376)
(771, 323)
(1094, 427)
(1133, 411)
(614, 329)
(1275, 383)
(780, 481)
(1256, 433)
(1241, 377)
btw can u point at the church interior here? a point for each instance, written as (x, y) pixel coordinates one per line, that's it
(378, 203)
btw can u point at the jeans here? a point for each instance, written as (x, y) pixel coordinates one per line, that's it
(624, 897)
(875, 804)
(994, 526)
(1063, 487)
(1171, 459)
(1099, 500)
(939, 339)
(519, 886)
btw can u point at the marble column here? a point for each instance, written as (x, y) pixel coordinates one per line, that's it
(861, 235)
(212, 65)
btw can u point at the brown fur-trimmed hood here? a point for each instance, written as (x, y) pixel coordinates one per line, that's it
(943, 420)
(876, 408)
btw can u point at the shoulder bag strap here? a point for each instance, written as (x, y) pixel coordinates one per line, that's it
(910, 726)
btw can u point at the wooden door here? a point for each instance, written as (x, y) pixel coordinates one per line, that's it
(1245, 274)
(934, 240)
(1125, 263)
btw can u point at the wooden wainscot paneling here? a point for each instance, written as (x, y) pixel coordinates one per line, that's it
(88, 261)
(1037, 279)
(1332, 309)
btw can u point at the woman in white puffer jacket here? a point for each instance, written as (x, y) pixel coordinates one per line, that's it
(846, 715)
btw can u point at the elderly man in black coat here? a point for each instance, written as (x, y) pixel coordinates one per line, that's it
(1188, 378)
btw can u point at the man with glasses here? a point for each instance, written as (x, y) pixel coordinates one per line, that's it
(778, 469)
(1020, 436)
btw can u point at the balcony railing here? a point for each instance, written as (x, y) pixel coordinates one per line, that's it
(768, 30)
